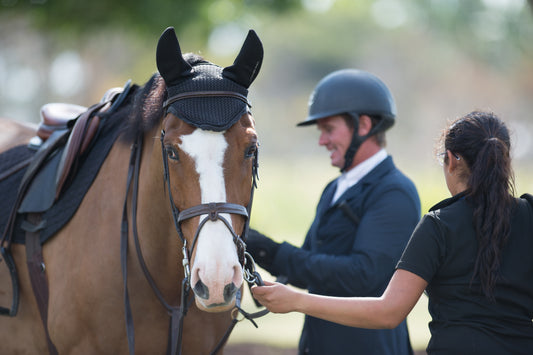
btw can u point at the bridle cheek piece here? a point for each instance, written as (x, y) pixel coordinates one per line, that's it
(212, 210)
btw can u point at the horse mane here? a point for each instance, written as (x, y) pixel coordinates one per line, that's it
(195, 59)
(146, 105)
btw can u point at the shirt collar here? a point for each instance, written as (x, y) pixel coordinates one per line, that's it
(354, 175)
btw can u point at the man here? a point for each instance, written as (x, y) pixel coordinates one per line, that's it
(363, 220)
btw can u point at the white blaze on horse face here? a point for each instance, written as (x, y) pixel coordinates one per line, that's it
(216, 263)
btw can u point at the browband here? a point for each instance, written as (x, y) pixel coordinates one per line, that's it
(194, 94)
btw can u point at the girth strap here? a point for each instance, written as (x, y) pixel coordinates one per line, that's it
(39, 282)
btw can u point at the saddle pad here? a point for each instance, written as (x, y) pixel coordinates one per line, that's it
(9, 186)
(67, 204)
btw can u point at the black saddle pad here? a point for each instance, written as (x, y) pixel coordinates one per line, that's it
(67, 204)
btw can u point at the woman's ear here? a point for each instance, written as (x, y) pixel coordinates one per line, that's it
(452, 161)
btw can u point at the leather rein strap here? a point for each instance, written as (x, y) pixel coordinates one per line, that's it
(213, 212)
(176, 313)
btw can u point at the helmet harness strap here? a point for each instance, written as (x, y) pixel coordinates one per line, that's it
(357, 140)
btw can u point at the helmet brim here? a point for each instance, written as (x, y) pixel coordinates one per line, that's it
(308, 122)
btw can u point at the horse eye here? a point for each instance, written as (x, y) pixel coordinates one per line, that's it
(250, 152)
(172, 153)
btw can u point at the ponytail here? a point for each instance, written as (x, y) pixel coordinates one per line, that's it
(483, 141)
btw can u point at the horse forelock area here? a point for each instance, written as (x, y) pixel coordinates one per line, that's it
(147, 107)
(146, 110)
(215, 262)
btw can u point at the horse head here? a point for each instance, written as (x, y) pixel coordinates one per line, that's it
(208, 140)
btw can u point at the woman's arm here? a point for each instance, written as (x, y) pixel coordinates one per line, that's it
(370, 255)
(387, 311)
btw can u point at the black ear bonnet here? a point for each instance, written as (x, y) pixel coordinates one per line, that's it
(203, 94)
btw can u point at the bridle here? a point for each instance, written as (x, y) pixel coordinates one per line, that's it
(213, 210)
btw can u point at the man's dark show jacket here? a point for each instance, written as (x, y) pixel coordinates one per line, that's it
(351, 249)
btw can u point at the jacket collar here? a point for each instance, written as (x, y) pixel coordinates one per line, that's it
(372, 178)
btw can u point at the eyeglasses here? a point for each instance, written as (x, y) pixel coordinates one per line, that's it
(442, 156)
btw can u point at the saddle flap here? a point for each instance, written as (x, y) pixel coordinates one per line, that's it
(41, 193)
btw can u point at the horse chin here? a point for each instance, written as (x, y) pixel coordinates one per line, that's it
(214, 307)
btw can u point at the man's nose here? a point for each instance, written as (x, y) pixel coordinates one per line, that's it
(322, 140)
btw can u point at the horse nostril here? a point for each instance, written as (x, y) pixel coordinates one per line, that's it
(201, 290)
(229, 292)
(237, 276)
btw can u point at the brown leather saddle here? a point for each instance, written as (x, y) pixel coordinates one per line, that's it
(59, 121)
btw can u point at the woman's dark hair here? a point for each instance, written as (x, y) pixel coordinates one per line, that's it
(482, 140)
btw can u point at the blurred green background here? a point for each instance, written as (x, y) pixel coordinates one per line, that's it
(440, 58)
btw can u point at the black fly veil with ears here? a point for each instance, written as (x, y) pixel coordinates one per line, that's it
(205, 95)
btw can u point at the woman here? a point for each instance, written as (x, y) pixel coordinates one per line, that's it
(471, 253)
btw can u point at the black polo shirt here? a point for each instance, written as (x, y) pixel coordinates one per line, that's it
(442, 250)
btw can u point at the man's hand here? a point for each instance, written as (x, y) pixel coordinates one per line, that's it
(262, 248)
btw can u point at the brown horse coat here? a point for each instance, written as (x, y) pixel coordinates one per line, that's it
(83, 267)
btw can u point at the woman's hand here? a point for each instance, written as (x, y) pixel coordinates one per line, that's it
(276, 297)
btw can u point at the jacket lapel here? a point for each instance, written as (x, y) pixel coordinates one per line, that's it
(327, 196)
(367, 182)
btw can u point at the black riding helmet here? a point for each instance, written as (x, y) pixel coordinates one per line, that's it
(353, 92)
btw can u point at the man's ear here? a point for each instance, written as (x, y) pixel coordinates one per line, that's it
(365, 125)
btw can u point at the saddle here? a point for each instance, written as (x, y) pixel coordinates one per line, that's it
(65, 136)
(58, 143)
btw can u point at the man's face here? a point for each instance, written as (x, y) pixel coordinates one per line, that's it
(336, 136)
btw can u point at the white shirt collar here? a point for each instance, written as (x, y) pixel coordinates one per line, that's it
(354, 175)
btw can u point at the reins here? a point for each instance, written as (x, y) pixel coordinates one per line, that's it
(176, 313)
(213, 211)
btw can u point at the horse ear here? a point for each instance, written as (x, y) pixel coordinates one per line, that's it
(247, 64)
(170, 62)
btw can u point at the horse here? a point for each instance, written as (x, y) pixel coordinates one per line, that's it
(15, 133)
(167, 212)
